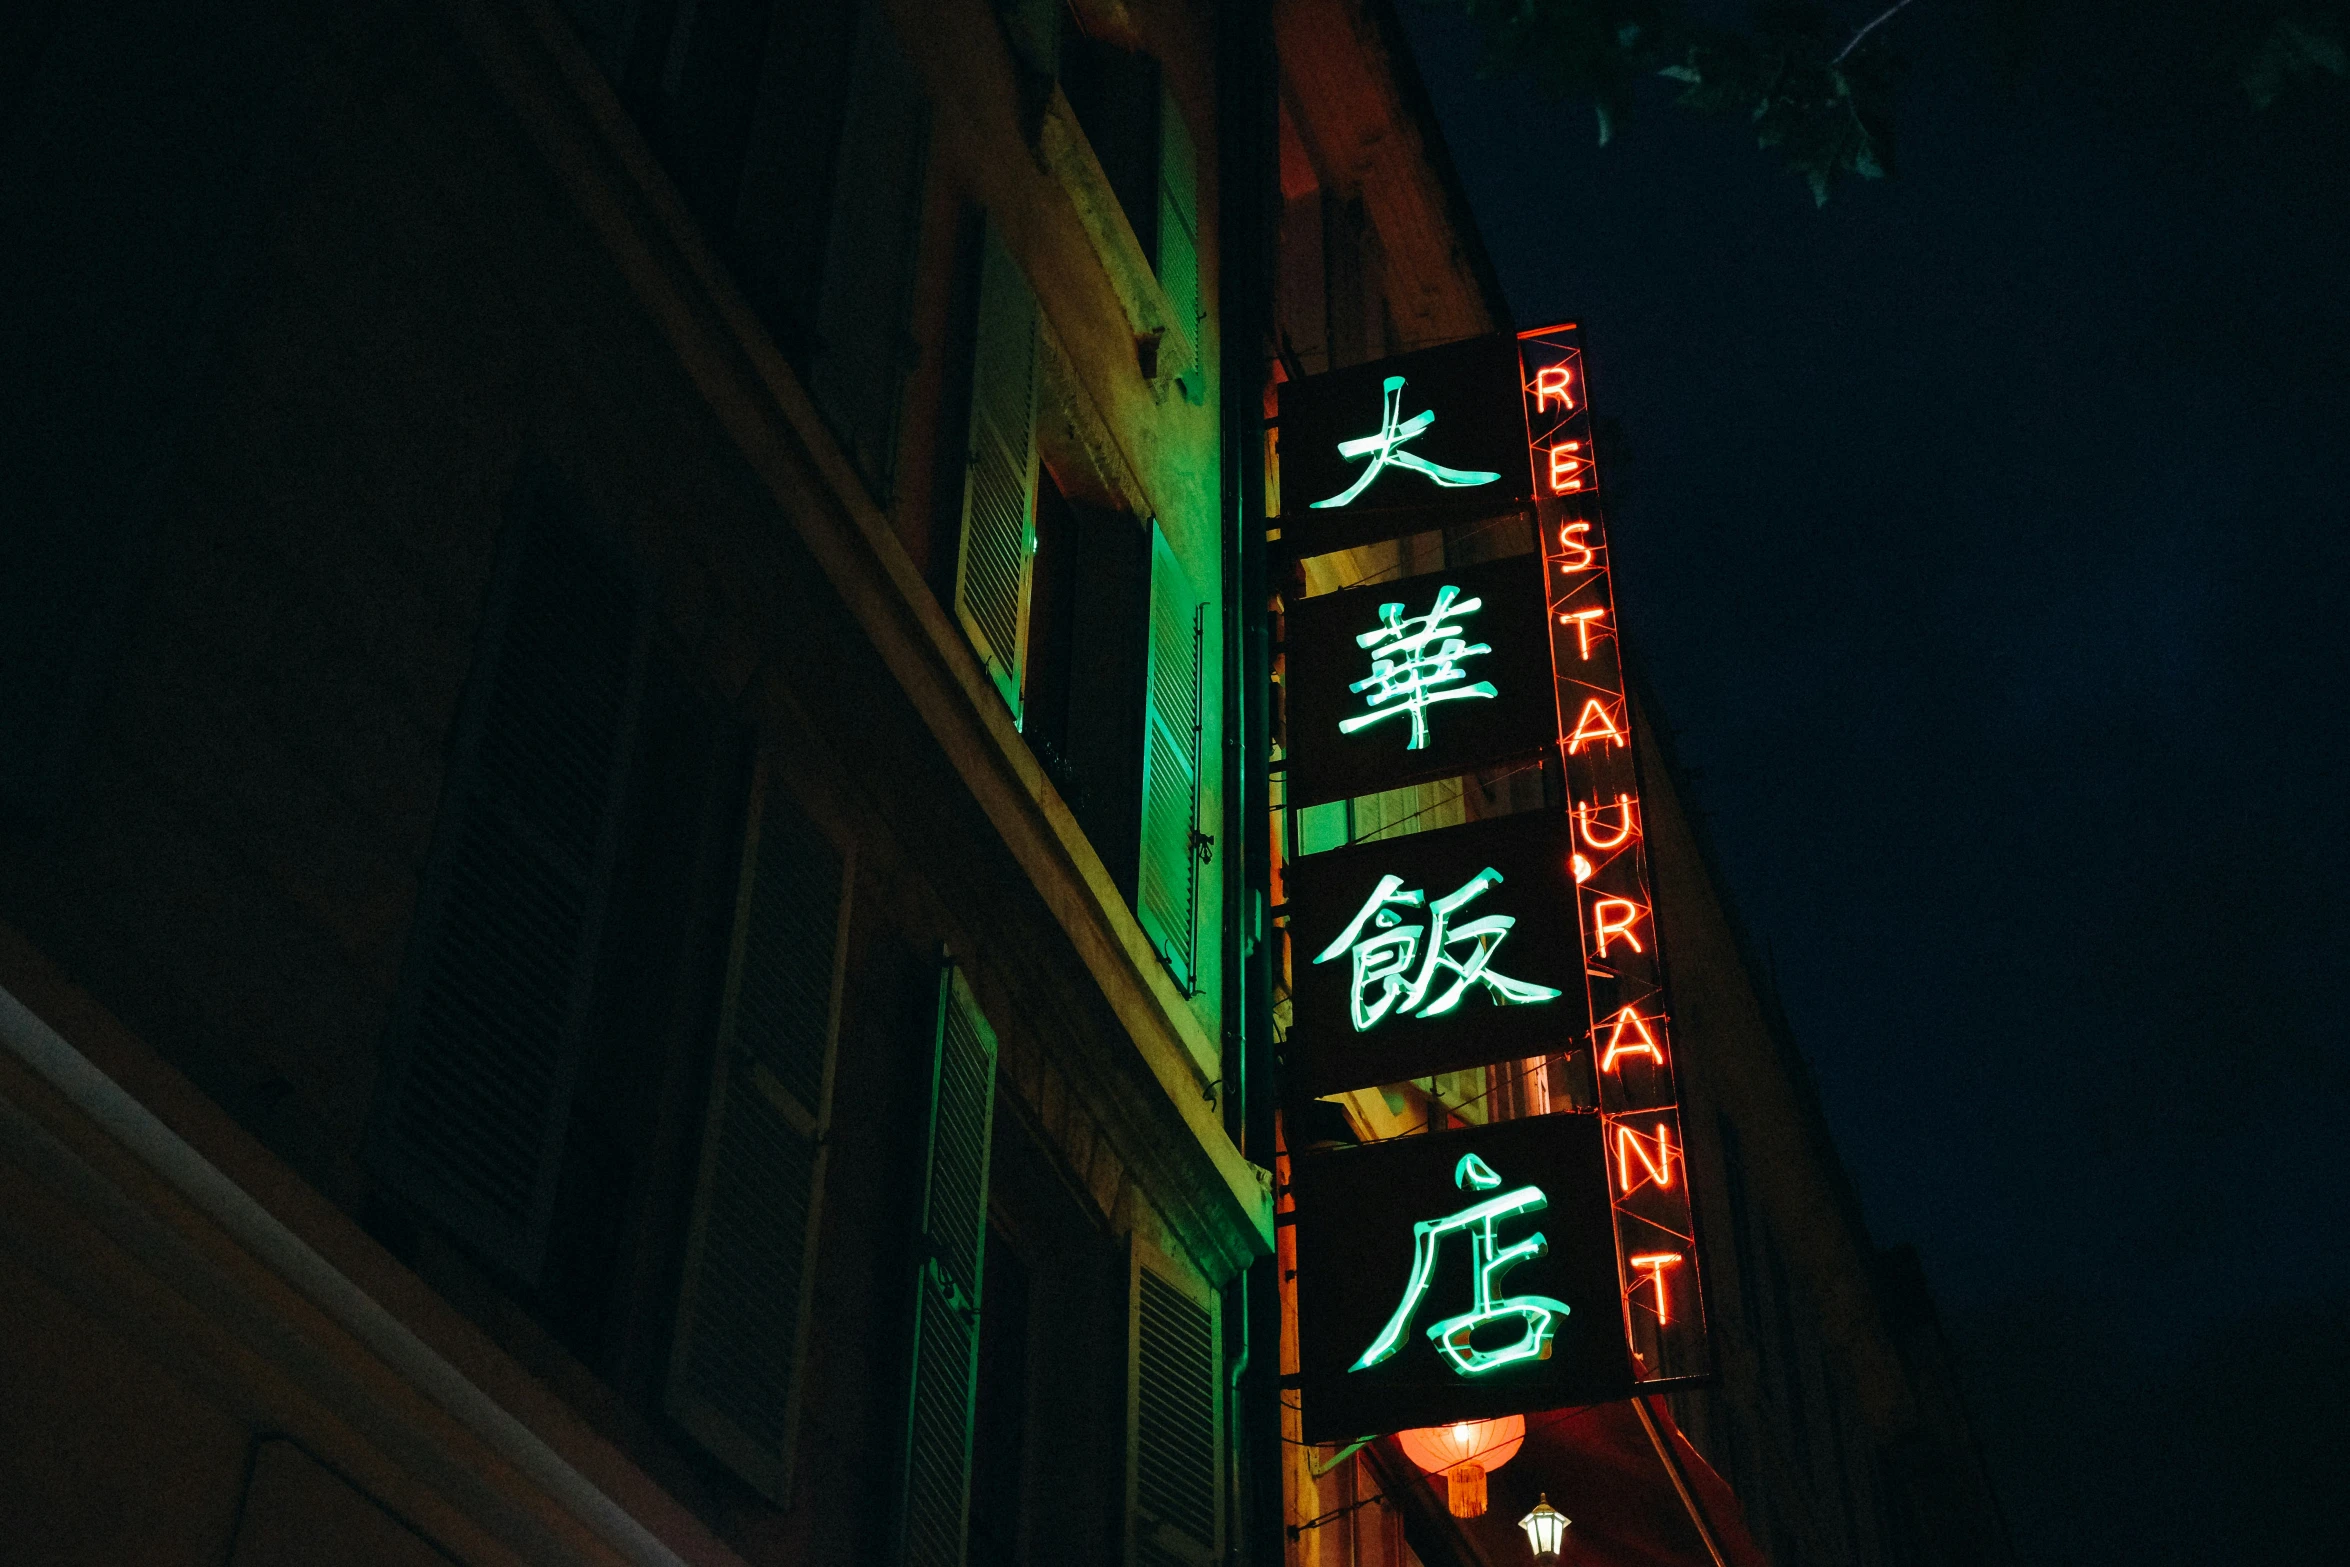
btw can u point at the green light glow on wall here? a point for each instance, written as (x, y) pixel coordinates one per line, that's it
(1416, 662)
(1385, 960)
(1386, 450)
(1488, 1260)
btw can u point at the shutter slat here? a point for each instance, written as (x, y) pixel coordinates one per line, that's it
(939, 1442)
(999, 506)
(1178, 1419)
(1167, 893)
(489, 1029)
(934, 1502)
(735, 1378)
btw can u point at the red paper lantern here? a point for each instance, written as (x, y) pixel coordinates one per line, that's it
(1464, 1453)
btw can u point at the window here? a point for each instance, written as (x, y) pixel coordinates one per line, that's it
(1168, 895)
(493, 1018)
(613, 890)
(934, 1505)
(992, 572)
(797, 136)
(1145, 154)
(1175, 1493)
(734, 1375)
(997, 1469)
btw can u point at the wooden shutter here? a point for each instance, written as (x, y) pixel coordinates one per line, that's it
(1174, 1488)
(999, 490)
(863, 347)
(1167, 899)
(742, 1317)
(1178, 258)
(934, 1504)
(488, 1029)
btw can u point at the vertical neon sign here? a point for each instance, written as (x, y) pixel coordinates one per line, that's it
(1631, 1036)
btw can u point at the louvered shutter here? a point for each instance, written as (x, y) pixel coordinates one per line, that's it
(999, 496)
(863, 346)
(1178, 258)
(1175, 1491)
(487, 1031)
(934, 1505)
(742, 1316)
(1167, 900)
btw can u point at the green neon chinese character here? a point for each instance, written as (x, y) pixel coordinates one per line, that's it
(1416, 661)
(1386, 449)
(1384, 960)
(1538, 1315)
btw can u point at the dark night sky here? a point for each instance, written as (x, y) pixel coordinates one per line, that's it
(1983, 536)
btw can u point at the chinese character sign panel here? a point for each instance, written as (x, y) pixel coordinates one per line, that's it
(1427, 677)
(1436, 427)
(1456, 1276)
(1623, 968)
(1434, 952)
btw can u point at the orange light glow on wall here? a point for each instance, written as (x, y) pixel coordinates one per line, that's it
(1593, 724)
(1585, 815)
(1630, 1146)
(1615, 917)
(1630, 1037)
(1654, 1264)
(1579, 554)
(1550, 385)
(1581, 620)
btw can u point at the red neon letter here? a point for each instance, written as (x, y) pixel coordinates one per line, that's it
(1581, 619)
(1594, 724)
(1584, 814)
(1654, 1265)
(1551, 381)
(1565, 465)
(1571, 538)
(1615, 917)
(1640, 1043)
(1630, 1145)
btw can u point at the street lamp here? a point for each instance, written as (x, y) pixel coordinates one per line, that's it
(1546, 1529)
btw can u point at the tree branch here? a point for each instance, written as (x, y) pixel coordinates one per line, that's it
(1896, 9)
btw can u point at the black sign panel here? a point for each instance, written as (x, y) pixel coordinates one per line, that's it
(1429, 953)
(1437, 426)
(1401, 1327)
(1428, 677)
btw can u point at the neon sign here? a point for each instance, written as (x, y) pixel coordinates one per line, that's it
(1631, 1033)
(1538, 1315)
(1427, 676)
(1385, 956)
(1385, 449)
(1412, 657)
(1456, 1275)
(1434, 951)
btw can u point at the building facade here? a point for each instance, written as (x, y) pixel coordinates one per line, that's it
(641, 819)
(620, 755)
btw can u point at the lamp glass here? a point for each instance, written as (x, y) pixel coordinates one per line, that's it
(1546, 1529)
